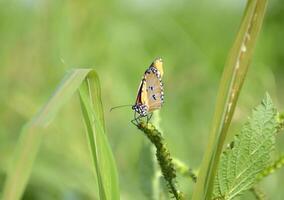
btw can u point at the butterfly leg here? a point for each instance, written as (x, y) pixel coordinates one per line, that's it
(136, 119)
(149, 117)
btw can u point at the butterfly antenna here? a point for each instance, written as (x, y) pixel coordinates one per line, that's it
(120, 107)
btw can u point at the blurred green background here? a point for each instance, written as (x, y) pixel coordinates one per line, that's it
(41, 40)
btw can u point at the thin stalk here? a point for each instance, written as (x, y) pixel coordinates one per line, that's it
(156, 184)
(184, 170)
(234, 74)
(163, 157)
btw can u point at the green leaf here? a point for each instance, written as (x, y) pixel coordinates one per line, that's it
(233, 77)
(31, 136)
(258, 193)
(249, 154)
(90, 96)
(272, 168)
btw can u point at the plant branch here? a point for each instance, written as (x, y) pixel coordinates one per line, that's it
(163, 157)
(184, 170)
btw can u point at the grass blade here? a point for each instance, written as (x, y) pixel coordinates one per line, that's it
(231, 83)
(32, 132)
(102, 156)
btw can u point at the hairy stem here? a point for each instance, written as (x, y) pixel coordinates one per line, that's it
(163, 157)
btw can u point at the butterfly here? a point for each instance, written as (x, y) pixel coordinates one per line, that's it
(150, 96)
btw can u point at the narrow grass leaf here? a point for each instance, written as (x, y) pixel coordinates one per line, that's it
(90, 96)
(31, 134)
(231, 83)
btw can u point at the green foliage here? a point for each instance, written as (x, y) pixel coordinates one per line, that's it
(273, 167)
(184, 170)
(234, 74)
(40, 40)
(281, 121)
(151, 181)
(250, 154)
(31, 136)
(90, 96)
(258, 193)
(163, 157)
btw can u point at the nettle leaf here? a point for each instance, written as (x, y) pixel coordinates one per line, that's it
(248, 154)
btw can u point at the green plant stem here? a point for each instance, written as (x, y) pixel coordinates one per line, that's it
(184, 170)
(158, 190)
(233, 77)
(163, 157)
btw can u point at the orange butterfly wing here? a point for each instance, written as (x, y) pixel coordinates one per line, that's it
(150, 93)
(153, 94)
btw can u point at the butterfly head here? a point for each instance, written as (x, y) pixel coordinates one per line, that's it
(141, 109)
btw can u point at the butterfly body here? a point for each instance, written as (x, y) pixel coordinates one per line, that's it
(150, 95)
